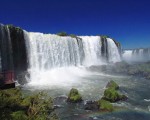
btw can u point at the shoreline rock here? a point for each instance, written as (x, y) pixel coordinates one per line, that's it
(74, 96)
(111, 94)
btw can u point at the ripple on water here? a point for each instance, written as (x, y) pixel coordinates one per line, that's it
(147, 100)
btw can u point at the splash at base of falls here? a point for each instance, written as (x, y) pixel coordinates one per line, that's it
(65, 76)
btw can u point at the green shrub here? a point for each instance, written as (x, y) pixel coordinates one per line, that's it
(111, 95)
(13, 106)
(112, 84)
(105, 105)
(73, 36)
(74, 96)
(19, 115)
(62, 34)
(104, 36)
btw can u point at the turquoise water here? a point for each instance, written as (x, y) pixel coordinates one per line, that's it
(91, 86)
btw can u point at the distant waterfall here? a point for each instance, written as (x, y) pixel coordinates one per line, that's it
(137, 55)
(127, 55)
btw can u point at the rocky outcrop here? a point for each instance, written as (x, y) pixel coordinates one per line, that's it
(74, 96)
(91, 105)
(112, 84)
(13, 50)
(18, 49)
(105, 105)
(111, 94)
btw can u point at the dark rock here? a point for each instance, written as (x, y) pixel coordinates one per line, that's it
(1, 79)
(60, 100)
(91, 105)
(22, 78)
(19, 52)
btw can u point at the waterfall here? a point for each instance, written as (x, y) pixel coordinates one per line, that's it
(137, 55)
(41, 54)
(92, 50)
(48, 51)
(50, 54)
(113, 51)
(51, 51)
(127, 55)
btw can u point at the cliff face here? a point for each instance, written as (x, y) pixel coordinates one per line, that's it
(12, 50)
(19, 53)
(5, 49)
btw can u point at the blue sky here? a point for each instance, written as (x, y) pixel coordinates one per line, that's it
(127, 21)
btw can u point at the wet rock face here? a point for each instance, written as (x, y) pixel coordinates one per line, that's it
(104, 48)
(1, 79)
(12, 49)
(18, 49)
(74, 96)
(23, 77)
(91, 105)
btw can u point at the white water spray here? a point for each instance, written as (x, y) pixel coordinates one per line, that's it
(113, 51)
(137, 55)
(58, 60)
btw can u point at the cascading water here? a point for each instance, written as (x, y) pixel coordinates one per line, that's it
(137, 55)
(50, 51)
(51, 55)
(92, 50)
(113, 51)
(127, 55)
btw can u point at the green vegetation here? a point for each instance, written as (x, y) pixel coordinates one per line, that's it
(112, 84)
(62, 34)
(19, 115)
(10, 26)
(14, 106)
(105, 105)
(104, 36)
(74, 96)
(73, 35)
(65, 34)
(111, 94)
